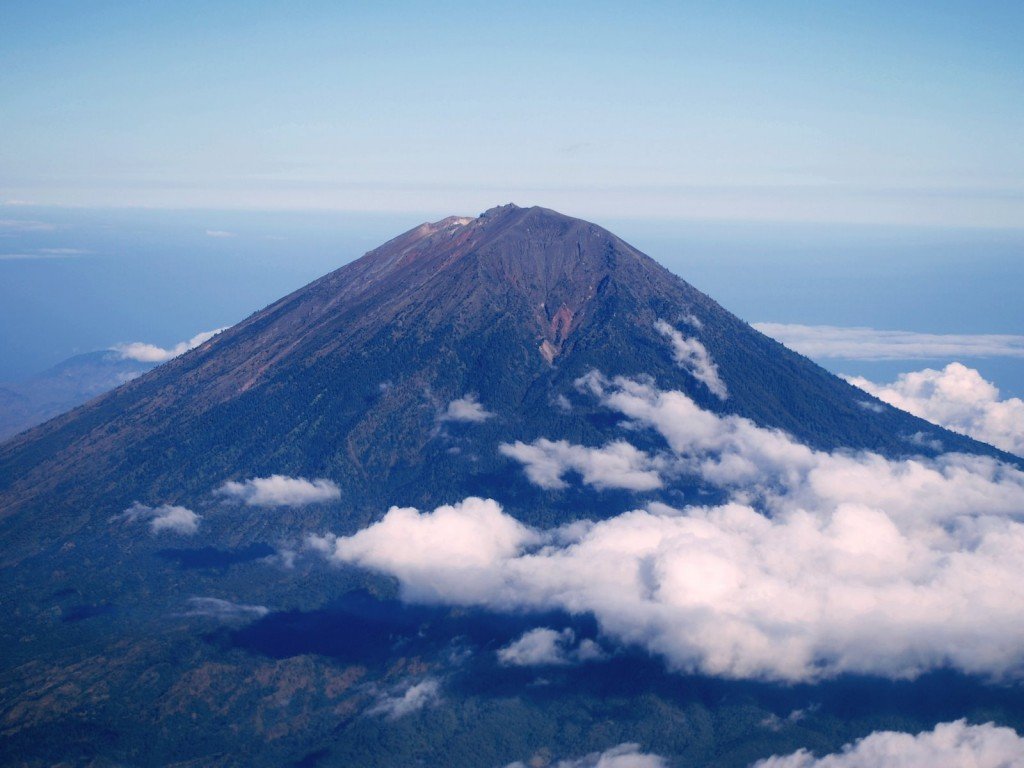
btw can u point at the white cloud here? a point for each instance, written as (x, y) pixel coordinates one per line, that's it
(167, 517)
(150, 353)
(219, 233)
(414, 698)
(828, 341)
(693, 357)
(225, 610)
(548, 647)
(466, 409)
(459, 542)
(821, 564)
(279, 491)
(949, 744)
(616, 465)
(622, 756)
(958, 398)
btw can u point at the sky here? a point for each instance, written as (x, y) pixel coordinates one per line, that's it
(167, 169)
(869, 112)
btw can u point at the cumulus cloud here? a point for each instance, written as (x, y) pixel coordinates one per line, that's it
(279, 491)
(693, 357)
(150, 353)
(820, 564)
(167, 517)
(622, 756)
(949, 744)
(828, 341)
(548, 647)
(958, 398)
(466, 409)
(616, 465)
(412, 699)
(225, 610)
(460, 542)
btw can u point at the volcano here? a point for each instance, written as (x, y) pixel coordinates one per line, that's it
(349, 377)
(395, 379)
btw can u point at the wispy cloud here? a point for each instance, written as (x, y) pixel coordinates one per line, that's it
(279, 491)
(167, 517)
(948, 744)
(150, 353)
(828, 341)
(958, 398)
(26, 225)
(219, 233)
(44, 253)
(693, 357)
(224, 610)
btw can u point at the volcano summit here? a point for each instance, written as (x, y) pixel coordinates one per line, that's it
(651, 523)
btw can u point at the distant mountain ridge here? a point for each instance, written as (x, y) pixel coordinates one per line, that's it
(28, 402)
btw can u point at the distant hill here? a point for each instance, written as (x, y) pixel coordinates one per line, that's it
(28, 402)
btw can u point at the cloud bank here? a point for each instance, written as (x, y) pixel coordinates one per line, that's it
(693, 357)
(958, 398)
(167, 517)
(150, 353)
(829, 341)
(949, 744)
(279, 491)
(820, 564)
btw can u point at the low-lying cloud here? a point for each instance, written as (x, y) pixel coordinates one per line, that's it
(615, 465)
(224, 610)
(167, 518)
(693, 357)
(622, 756)
(958, 398)
(466, 409)
(414, 698)
(150, 353)
(829, 341)
(948, 744)
(279, 491)
(820, 564)
(548, 647)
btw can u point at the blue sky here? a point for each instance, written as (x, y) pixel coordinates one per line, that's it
(905, 113)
